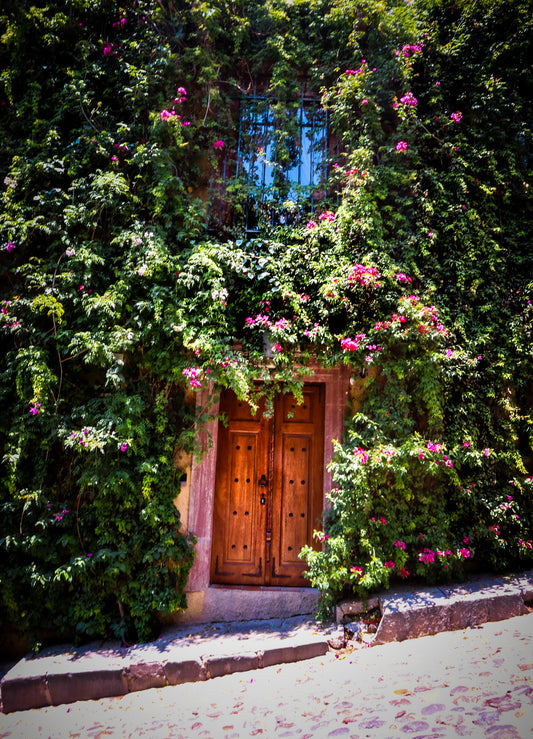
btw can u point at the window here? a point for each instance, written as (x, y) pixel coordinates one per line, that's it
(280, 166)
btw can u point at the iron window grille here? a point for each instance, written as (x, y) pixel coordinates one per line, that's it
(281, 160)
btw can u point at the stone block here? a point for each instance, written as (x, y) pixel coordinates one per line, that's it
(184, 671)
(524, 582)
(84, 685)
(144, 675)
(218, 665)
(21, 693)
(355, 607)
(408, 615)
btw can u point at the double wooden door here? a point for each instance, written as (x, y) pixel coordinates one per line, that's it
(269, 489)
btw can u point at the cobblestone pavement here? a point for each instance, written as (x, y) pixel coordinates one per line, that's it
(476, 683)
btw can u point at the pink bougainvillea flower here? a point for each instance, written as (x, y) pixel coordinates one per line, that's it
(399, 544)
(327, 215)
(486, 452)
(10, 246)
(456, 117)
(310, 224)
(218, 144)
(403, 572)
(401, 146)
(390, 565)
(167, 114)
(364, 101)
(34, 410)
(449, 353)
(357, 571)
(123, 446)
(466, 444)
(108, 49)
(409, 99)
(114, 158)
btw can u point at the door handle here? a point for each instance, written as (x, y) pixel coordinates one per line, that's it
(262, 484)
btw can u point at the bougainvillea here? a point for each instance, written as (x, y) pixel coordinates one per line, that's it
(129, 282)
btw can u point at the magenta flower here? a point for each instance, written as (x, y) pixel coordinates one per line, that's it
(456, 117)
(218, 144)
(310, 224)
(409, 99)
(401, 146)
(124, 446)
(364, 101)
(10, 246)
(167, 115)
(108, 49)
(399, 544)
(357, 571)
(466, 444)
(34, 410)
(486, 452)
(389, 565)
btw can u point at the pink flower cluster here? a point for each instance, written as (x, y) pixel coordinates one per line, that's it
(81, 438)
(258, 320)
(119, 24)
(218, 144)
(408, 49)
(311, 224)
(181, 96)
(327, 216)
(10, 246)
(168, 115)
(401, 146)
(437, 449)
(360, 70)
(364, 275)
(403, 278)
(351, 345)
(34, 410)
(193, 374)
(409, 100)
(456, 117)
(361, 455)
(357, 571)
(384, 325)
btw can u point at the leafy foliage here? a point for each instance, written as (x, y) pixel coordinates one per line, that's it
(119, 133)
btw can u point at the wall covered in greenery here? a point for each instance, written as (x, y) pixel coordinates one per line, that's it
(123, 288)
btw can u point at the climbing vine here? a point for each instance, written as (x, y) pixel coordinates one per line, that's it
(123, 293)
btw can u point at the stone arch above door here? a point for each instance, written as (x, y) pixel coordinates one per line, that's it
(203, 474)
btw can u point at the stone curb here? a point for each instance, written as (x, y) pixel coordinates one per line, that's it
(55, 678)
(52, 681)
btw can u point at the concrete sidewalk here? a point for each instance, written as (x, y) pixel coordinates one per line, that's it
(190, 653)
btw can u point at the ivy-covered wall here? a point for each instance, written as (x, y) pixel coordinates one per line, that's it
(118, 124)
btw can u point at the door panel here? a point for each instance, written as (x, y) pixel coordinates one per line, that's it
(238, 551)
(268, 497)
(297, 474)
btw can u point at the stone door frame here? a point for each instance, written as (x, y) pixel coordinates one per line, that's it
(203, 472)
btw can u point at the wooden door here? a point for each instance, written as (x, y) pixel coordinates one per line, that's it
(268, 495)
